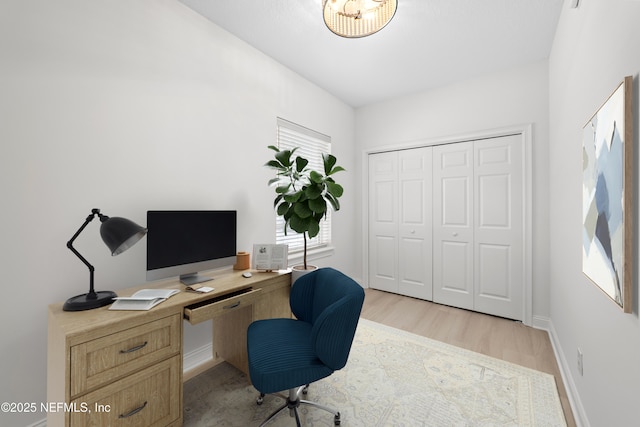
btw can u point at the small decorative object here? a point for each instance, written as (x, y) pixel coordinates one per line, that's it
(358, 18)
(119, 234)
(304, 195)
(243, 261)
(607, 197)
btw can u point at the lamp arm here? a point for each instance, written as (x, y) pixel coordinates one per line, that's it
(94, 212)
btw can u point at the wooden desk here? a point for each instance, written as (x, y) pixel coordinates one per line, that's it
(108, 367)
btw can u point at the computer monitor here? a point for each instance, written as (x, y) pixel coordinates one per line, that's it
(183, 243)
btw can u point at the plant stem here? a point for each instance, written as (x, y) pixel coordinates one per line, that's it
(304, 235)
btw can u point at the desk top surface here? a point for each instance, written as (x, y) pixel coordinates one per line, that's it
(225, 282)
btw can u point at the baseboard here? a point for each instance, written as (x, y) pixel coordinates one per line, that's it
(579, 413)
(540, 322)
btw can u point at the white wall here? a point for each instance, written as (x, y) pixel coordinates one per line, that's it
(128, 106)
(596, 46)
(512, 97)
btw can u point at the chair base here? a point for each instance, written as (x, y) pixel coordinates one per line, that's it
(293, 402)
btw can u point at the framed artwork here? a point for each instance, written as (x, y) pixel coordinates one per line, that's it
(607, 204)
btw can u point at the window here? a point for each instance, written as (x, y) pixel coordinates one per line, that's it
(311, 146)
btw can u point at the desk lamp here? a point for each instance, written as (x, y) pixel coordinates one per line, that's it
(119, 234)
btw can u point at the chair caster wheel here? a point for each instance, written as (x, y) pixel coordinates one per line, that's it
(305, 390)
(336, 419)
(260, 399)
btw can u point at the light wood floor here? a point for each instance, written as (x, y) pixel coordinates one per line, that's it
(494, 336)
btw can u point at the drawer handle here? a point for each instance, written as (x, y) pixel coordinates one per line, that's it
(136, 348)
(135, 411)
(229, 307)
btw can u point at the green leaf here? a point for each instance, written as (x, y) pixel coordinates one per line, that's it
(334, 189)
(284, 157)
(334, 202)
(283, 208)
(274, 180)
(273, 164)
(293, 197)
(313, 191)
(329, 161)
(277, 200)
(313, 229)
(274, 148)
(287, 216)
(302, 210)
(316, 177)
(336, 169)
(318, 205)
(300, 224)
(283, 189)
(301, 162)
(303, 196)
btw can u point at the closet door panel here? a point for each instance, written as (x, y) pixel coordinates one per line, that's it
(454, 275)
(415, 261)
(412, 260)
(383, 221)
(453, 225)
(499, 239)
(494, 271)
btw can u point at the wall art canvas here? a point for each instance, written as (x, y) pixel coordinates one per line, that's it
(607, 197)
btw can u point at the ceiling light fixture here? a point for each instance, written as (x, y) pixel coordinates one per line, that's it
(358, 18)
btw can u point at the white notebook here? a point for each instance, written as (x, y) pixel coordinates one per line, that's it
(144, 299)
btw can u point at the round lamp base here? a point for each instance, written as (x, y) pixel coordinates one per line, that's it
(89, 301)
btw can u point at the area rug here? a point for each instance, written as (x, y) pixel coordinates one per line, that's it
(392, 378)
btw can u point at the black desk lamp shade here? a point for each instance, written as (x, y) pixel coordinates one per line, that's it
(119, 234)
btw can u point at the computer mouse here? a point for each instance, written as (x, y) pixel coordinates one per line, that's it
(247, 274)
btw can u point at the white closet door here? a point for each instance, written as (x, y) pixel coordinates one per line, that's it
(453, 225)
(383, 221)
(499, 255)
(446, 223)
(400, 255)
(415, 252)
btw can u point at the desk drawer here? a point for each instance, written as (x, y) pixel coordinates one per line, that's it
(108, 358)
(147, 398)
(207, 310)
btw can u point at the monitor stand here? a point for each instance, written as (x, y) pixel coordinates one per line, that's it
(193, 278)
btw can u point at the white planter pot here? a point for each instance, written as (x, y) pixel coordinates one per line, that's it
(298, 271)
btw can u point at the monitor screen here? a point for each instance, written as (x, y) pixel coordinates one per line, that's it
(182, 243)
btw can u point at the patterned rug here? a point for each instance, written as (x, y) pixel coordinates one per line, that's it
(392, 378)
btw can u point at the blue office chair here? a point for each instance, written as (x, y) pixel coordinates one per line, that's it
(289, 354)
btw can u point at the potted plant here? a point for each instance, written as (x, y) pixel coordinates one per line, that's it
(303, 195)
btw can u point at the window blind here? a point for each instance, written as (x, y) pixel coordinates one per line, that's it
(311, 145)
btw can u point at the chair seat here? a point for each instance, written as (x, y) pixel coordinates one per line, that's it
(282, 355)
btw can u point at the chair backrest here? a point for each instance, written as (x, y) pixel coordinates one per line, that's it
(331, 302)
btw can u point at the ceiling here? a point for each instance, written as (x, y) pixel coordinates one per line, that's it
(429, 43)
